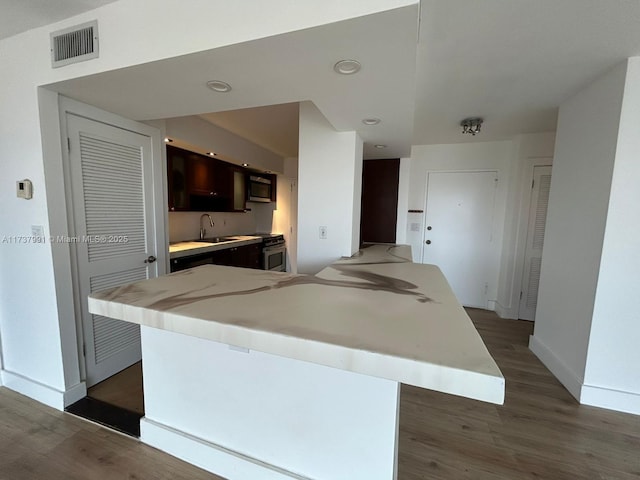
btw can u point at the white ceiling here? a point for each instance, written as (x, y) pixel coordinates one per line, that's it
(293, 67)
(17, 16)
(273, 127)
(510, 61)
(513, 61)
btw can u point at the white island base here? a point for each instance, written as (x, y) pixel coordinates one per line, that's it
(310, 390)
(249, 415)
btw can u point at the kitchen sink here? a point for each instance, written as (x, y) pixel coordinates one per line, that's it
(212, 240)
(217, 239)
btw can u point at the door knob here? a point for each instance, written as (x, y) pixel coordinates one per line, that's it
(150, 259)
(428, 242)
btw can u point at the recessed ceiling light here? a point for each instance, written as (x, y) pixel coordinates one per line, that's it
(371, 121)
(168, 140)
(219, 86)
(212, 154)
(245, 164)
(380, 146)
(347, 67)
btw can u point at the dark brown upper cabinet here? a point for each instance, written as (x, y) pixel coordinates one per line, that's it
(209, 176)
(177, 178)
(201, 183)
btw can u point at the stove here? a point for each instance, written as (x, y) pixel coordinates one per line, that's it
(270, 239)
(273, 251)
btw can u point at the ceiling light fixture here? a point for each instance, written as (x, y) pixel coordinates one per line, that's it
(245, 164)
(212, 154)
(219, 86)
(471, 125)
(371, 121)
(168, 140)
(347, 67)
(380, 146)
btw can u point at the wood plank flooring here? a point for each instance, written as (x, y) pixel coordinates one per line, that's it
(540, 433)
(40, 443)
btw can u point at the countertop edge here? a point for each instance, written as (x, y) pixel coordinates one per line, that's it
(475, 385)
(214, 247)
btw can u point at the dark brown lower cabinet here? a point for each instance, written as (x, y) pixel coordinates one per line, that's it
(246, 256)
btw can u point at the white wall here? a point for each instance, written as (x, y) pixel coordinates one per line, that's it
(330, 183)
(285, 217)
(403, 200)
(32, 331)
(205, 137)
(585, 150)
(528, 150)
(459, 157)
(612, 373)
(291, 237)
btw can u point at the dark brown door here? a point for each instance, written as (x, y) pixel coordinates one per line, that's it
(379, 200)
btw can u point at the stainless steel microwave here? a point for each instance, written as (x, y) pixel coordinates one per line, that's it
(259, 188)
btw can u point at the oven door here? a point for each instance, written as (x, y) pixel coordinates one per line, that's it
(274, 258)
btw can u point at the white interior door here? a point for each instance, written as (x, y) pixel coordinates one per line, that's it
(535, 240)
(459, 231)
(111, 174)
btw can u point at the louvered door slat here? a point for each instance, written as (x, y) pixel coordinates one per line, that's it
(113, 336)
(535, 241)
(541, 211)
(117, 212)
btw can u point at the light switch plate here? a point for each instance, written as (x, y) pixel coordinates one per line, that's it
(322, 232)
(24, 189)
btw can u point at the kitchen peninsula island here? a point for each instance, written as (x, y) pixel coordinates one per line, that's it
(256, 374)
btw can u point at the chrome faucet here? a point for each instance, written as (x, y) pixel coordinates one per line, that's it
(203, 231)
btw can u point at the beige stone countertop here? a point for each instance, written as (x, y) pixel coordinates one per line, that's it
(185, 249)
(375, 313)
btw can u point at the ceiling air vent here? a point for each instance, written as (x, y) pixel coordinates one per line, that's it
(74, 44)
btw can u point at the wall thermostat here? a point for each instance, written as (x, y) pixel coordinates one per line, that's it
(24, 189)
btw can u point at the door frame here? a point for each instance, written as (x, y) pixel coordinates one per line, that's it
(53, 111)
(512, 310)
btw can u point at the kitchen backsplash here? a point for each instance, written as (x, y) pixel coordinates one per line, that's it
(186, 225)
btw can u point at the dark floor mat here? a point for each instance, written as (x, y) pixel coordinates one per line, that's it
(108, 415)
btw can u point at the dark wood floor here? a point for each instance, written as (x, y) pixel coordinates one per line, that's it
(541, 432)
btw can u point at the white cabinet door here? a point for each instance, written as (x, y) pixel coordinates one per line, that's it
(458, 233)
(535, 240)
(112, 188)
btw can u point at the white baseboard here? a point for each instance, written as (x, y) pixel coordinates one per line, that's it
(43, 393)
(209, 456)
(620, 401)
(75, 393)
(628, 402)
(563, 373)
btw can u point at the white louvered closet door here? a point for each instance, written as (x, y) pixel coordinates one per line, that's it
(111, 179)
(535, 241)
